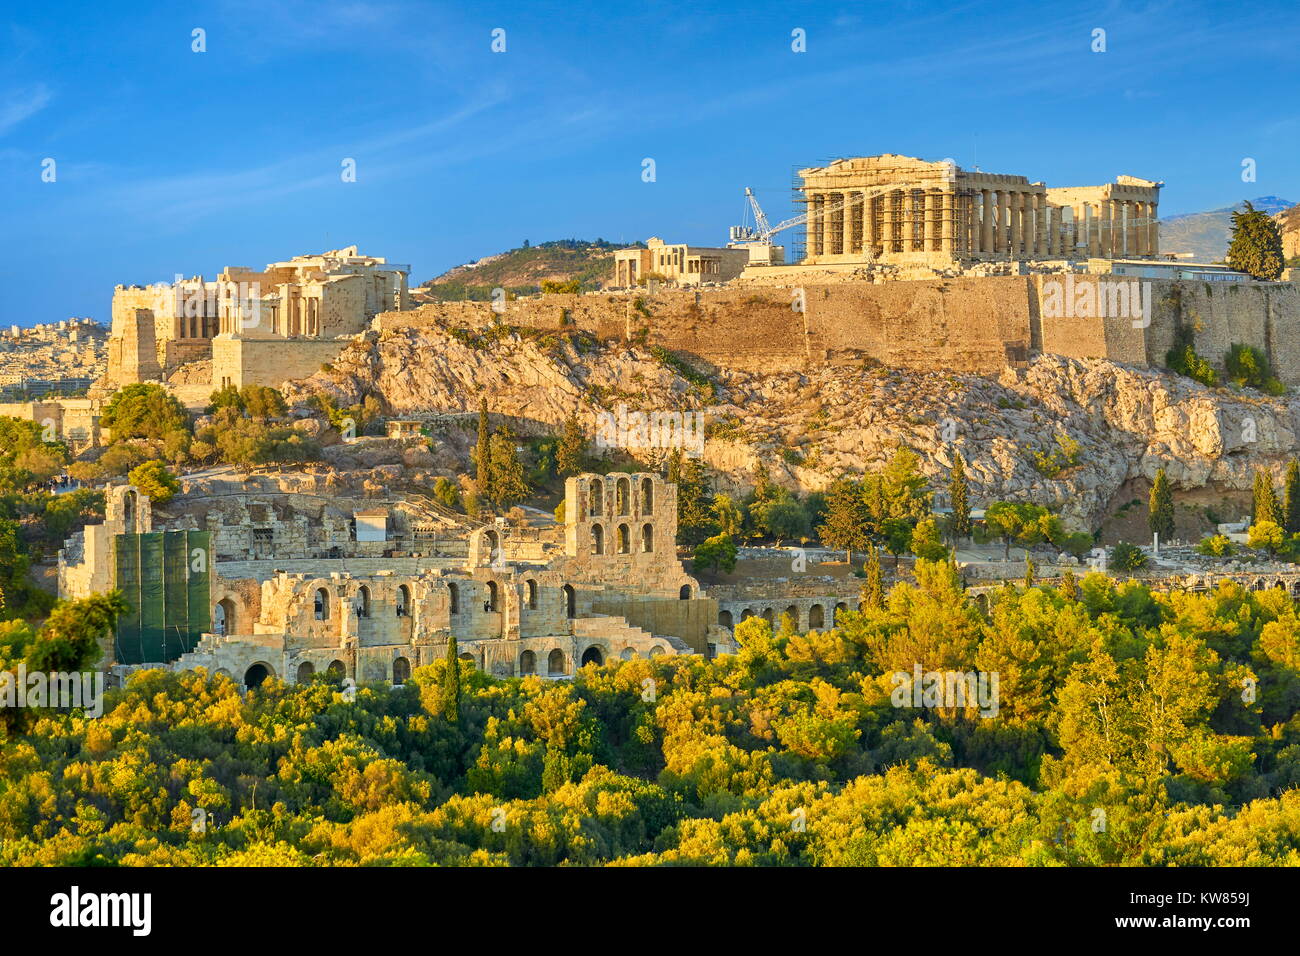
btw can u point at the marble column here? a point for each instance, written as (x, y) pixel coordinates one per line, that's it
(948, 224)
(850, 214)
(1016, 223)
(1108, 228)
(916, 217)
(1040, 226)
(887, 230)
(1000, 229)
(869, 238)
(1092, 227)
(828, 223)
(813, 228)
(929, 210)
(986, 224)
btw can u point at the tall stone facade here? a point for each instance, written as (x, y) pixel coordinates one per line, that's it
(289, 603)
(902, 209)
(291, 312)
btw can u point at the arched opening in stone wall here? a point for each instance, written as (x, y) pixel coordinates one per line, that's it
(306, 671)
(623, 496)
(129, 510)
(337, 670)
(223, 617)
(530, 589)
(255, 675)
(684, 594)
(840, 608)
(453, 598)
(746, 613)
(724, 619)
(527, 663)
(597, 496)
(647, 538)
(816, 616)
(793, 613)
(624, 540)
(628, 654)
(468, 658)
(401, 670)
(592, 655)
(403, 600)
(597, 539)
(321, 604)
(555, 663)
(647, 496)
(494, 597)
(657, 650)
(363, 601)
(492, 541)
(570, 601)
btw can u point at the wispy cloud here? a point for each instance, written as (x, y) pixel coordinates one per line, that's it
(177, 201)
(19, 104)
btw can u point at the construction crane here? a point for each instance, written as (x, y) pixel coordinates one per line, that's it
(758, 237)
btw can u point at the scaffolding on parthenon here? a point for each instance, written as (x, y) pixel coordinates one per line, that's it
(913, 226)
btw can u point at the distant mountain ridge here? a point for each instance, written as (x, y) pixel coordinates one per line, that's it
(1205, 234)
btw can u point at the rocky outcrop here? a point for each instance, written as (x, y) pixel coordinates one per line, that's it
(807, 428)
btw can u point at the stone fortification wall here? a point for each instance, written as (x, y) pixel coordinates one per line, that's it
(966, 324)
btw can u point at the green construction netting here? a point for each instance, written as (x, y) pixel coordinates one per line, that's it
(165, 578)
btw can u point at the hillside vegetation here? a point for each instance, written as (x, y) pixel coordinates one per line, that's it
(523, 270)
(1127, 727)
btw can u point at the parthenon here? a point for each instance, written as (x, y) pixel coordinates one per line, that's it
(903, 209)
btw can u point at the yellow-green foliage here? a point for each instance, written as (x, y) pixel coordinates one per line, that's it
(790, 752)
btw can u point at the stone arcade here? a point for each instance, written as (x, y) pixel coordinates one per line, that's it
(606, 585)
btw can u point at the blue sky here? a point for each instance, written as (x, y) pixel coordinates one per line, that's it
(173, 161)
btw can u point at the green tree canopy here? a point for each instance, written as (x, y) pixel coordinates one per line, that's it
(143, 410)
(1256, 244)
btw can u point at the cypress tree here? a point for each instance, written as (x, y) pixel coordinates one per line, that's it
(873, 588)
(1030, 568)
(571, 454)
(961, 527)
(451, 684)
(1265, 499)
(1160, 509)
(1256, 244)
(506, 476)
(1291, 505)
(483, 456)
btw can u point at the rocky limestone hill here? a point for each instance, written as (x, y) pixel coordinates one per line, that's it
(808, 428)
